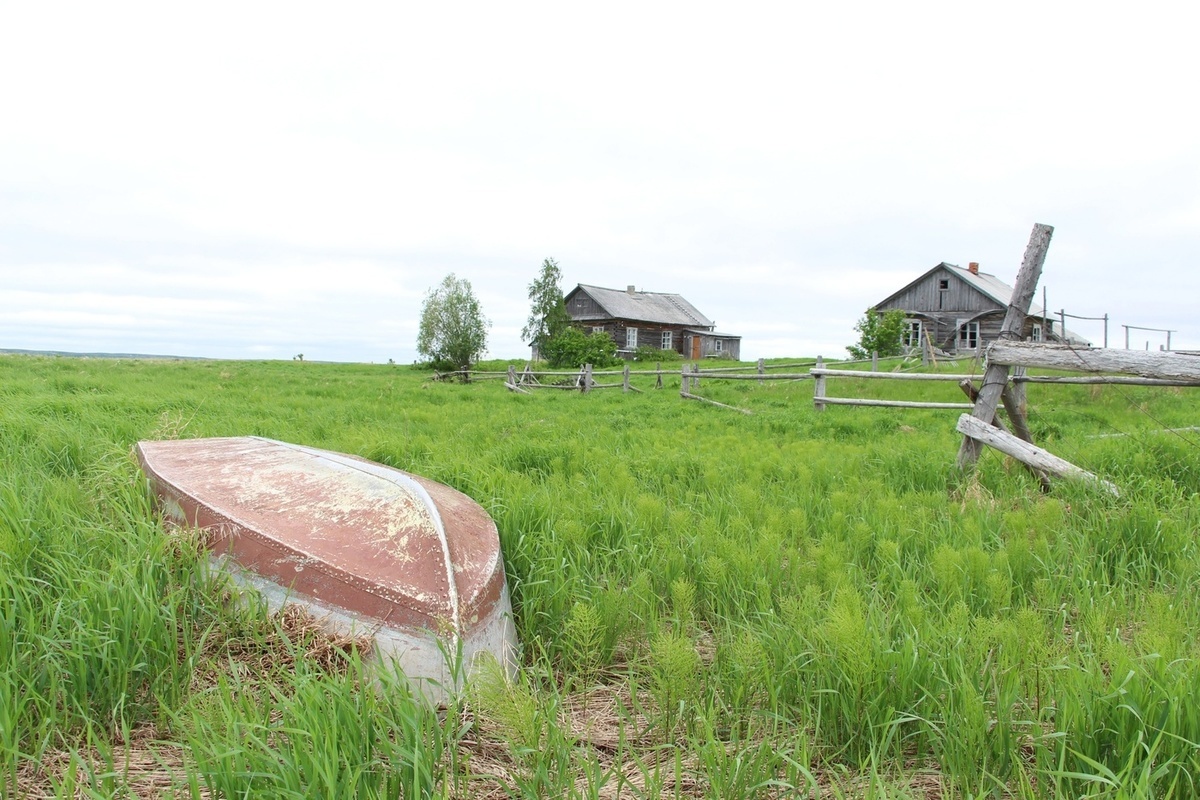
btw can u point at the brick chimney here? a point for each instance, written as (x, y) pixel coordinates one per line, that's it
(630, 289)
(973, 267)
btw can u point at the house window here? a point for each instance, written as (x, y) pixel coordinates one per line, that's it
(718, 345)
(581, 302)
(1036, 334)
(944, 284)
(631, 338)
(911, 337)
(968, 336)
(597, 329)
(667, 341)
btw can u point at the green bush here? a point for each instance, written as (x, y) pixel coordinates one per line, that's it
(574, 348)
(879, 333)
(649, 353)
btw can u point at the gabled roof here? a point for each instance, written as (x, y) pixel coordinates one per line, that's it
(991, 287)
(984, 282)
(658, 307)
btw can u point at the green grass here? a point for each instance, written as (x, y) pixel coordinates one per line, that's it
(710, 604)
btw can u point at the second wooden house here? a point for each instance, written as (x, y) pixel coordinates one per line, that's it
(959, 310)
(656, 319)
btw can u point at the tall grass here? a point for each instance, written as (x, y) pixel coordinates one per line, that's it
(711, 604)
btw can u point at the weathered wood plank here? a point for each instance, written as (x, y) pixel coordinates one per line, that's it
(1020, 428)
(690, 396)
(979, 431)
(892, 376)
(779, 376)
(1116, 380)
(1147, 364)
(996, 376)
(854, 401)
(819, 386)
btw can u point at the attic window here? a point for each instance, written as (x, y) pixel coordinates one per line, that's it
(581, 302)
(944, 283)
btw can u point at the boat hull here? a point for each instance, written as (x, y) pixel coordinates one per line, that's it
(368, 549)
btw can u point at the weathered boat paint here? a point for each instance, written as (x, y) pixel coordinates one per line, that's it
(367, 548)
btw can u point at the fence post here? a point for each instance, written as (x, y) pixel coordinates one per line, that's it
(625, 383)
(587, 378)
(683, 381)
(695, 376)
(819, 386)
(1017, 393)
(760, 370)
(874, 361)
(658, 371)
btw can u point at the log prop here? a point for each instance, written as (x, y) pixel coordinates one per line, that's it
(1026, 453)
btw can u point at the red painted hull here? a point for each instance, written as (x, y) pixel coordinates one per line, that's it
(412, 560)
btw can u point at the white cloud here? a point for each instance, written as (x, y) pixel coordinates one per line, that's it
(244, 181)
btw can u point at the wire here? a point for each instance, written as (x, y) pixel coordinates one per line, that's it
(1120, 391)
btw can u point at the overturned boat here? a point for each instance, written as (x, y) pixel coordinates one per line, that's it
(368, 549)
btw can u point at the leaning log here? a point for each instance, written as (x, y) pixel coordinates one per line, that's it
(996, 376)
(1026, 453)
(1019, 426)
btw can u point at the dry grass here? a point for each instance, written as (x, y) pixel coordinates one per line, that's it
(144, 767)
(147, 766)
(601, 722)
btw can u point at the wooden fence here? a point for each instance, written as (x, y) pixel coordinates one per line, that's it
(1137, 368)
(821, 398)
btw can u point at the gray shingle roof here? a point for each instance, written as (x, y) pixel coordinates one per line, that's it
(990, 285)
(659, 307)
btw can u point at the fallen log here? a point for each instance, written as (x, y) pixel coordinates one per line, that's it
(1026, 453)
(690, 396)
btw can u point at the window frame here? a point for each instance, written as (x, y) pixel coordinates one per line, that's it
(631, 338)
(914, 331)
(968, 336)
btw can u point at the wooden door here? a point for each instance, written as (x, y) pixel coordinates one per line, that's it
(695, 347)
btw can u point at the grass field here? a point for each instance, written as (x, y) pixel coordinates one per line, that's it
(711, 604)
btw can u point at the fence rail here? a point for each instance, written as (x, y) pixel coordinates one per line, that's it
(820, 399)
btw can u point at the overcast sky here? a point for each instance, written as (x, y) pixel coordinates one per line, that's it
(255, 181)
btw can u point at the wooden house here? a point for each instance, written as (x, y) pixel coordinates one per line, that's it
(657, 319)
(959, 310)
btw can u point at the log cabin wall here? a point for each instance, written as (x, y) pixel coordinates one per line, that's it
(649, 333)
(943, 329)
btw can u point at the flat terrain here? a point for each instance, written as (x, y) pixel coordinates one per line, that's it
(711, 604)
